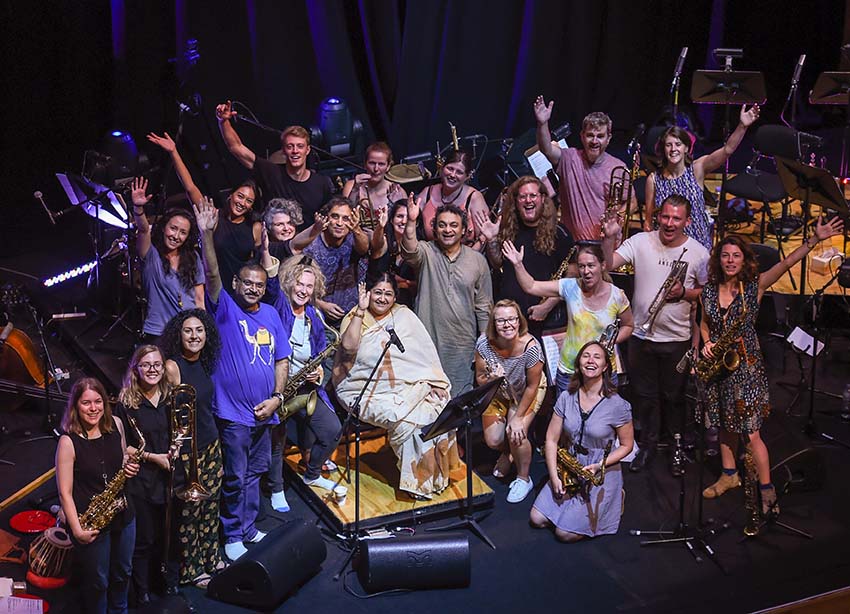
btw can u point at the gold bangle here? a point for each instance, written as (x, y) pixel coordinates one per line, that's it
(359, 314)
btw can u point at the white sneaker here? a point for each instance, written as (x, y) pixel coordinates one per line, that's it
(519, 490)
(321, 482)
(234, 550)
(279, 502)
(258, 537)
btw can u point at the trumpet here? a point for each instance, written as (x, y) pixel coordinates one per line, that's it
(608, 338)
(678, 270)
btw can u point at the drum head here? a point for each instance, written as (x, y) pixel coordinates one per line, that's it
(32, 521)
(58, 537)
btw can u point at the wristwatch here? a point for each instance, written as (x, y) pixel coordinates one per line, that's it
(278, 396)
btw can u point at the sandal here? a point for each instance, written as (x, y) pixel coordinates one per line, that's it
(503, 466)
(202, 580)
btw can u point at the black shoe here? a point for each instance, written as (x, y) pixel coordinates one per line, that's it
(642, 459)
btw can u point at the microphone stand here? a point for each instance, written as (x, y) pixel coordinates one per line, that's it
(792, 94)
(674, 86)
(353, 417)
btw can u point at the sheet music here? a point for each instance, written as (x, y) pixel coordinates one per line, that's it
(552, 349)
(539, 163)
(18, 605)
(803, 341)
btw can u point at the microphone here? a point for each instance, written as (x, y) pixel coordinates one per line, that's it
(73, 315)
(680, 63)
(395, 340)
(797, 70)
(683, 363)
(639, 130)
(40, 198)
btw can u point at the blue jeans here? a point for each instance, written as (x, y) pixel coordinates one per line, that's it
(247, 455)
(104, 566)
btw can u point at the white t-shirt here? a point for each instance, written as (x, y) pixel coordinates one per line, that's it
(652, 261)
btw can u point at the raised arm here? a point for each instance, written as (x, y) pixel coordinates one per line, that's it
(409, 242)
(378, 241)
(207, 217)
(303, 239)
(183, 173)
(361, 237)
(350, 339)
(823, 231)
(489, 231)
(140, 197)
(717, 158)
(542, 113)
(529, 285)
(611, 231)
(224, 113)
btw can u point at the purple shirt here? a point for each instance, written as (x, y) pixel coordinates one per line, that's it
(251, 343)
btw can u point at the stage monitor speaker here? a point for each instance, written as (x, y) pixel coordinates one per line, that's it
(419, 561)
(264, 576)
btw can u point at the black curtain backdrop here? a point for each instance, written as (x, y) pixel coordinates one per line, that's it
(76, 70)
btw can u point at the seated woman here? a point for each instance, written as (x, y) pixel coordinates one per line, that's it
(409, 388)
(371, 190)
(385, 252)
(593, 303)
(192, 344)
(293, 292)
(172, 274)
(507, 349)
(453, 190)
(92, 450)
(590, 415)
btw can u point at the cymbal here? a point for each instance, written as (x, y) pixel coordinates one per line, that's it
(404, 173)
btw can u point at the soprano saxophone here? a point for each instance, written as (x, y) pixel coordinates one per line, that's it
(293, 402)
(106, 504)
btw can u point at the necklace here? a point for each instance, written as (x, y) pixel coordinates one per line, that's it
(453, 198)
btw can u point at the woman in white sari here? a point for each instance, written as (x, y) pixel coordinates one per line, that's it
(409, 388)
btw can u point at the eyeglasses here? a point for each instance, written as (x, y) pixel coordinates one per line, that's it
(259, 285)
(503, 321)
(150, 366)
(527, 197)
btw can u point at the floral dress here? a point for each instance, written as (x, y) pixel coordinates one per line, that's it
(738, 401)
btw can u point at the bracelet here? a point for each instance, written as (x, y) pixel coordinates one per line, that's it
(359, 314)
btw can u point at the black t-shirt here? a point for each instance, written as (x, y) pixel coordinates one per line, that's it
(151, 482)
(234, 248)
(275, 182)
(540, 266)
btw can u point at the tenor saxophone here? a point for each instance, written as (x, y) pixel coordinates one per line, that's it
(293, 402)
(574, 476)
(106, 504)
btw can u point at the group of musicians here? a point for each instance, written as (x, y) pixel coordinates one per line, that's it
(442, 294)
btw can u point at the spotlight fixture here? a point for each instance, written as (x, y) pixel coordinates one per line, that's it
(338, 131)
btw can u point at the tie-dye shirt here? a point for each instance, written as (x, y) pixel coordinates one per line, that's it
(584, 324)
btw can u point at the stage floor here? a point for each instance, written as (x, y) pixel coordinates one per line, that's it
(381, 502)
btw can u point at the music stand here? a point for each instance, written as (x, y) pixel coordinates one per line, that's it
(833, 88)
(459, 413)
(727, 87)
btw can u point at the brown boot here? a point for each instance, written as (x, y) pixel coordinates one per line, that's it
(722, 485)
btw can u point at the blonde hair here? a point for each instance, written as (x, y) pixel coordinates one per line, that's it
(292, 268)
(131, 395)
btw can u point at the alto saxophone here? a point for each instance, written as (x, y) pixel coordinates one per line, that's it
(293, 402)
(678, 270)
(106, 504)
(574, 476)
(725, 351)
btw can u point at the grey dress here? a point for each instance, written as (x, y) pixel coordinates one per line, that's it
(598, 512)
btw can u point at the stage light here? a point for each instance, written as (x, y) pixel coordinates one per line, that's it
(70, 274)
(338, 130)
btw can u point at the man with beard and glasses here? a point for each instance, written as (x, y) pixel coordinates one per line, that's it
(584, 173)
(292, 180)
(249, 379)
(529, 220)
(455, 290)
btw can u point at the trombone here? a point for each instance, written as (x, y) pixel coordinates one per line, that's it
(184, 426)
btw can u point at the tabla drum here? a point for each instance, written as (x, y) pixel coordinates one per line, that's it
(50, 559)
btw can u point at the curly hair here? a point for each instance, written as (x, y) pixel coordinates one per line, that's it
(291, 270)
(171, 340)
(577, 379)
(71, 417)
(131, 393)
(749, 269)
(187, 268)
(544, 235)
(286, 206)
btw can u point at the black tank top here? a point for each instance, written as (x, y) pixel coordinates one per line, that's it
(192, 373)
(96, 462)
(234, 246)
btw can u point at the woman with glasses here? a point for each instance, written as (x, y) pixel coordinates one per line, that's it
(192, 344)
(589, 417)
(508, 350)
(593, 304)
(409, 388)
(144, 397)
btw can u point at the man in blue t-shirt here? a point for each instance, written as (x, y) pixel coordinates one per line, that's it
(249, 378)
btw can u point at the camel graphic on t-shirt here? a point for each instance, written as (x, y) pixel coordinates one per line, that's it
(256, 345)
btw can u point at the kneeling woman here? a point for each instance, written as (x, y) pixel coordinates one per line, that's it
(90, 453)
(589, 416)
(409, 390)
(507, 349)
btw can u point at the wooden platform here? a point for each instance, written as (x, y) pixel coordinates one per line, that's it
(381, 502)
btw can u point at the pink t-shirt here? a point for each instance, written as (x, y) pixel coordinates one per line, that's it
(582, 192)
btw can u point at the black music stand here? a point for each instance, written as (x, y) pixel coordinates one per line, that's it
(459, 413)
(727, 87)
(833, 88)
